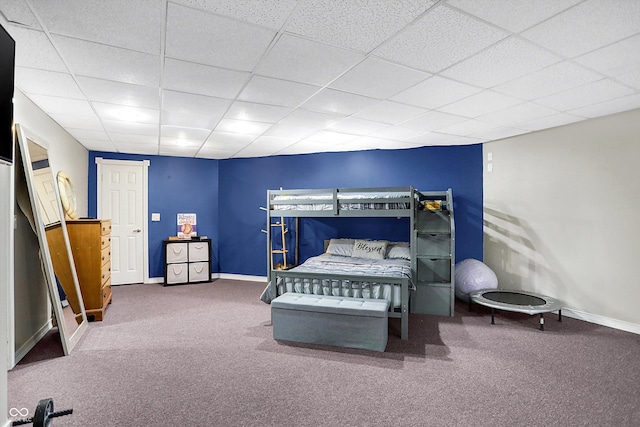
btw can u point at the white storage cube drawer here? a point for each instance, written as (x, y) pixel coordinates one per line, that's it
(199, 272)
(177, 252)
(177, 273)
(187, 261)
(198, 251)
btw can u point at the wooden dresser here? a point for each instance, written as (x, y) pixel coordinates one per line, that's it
(90, 241)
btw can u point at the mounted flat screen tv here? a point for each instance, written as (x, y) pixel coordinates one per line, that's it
(7, 67)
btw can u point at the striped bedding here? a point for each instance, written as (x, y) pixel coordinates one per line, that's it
(333, 265)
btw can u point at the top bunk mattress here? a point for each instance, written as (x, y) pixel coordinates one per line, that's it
(342, 201)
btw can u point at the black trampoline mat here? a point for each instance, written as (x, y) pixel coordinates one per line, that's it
(513, 298)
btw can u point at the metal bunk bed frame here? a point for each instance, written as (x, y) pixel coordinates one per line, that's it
(341, 196)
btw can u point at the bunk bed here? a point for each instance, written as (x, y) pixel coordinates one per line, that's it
(333, 273)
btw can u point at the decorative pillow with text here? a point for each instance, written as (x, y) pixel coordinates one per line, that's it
(372, 249)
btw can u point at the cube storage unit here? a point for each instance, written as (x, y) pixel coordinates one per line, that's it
(434, 255)
(187, 261)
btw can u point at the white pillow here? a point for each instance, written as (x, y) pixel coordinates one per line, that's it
(399, 250)
(372, 249)
(342, 247)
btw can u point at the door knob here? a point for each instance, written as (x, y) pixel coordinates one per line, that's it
(137, 230)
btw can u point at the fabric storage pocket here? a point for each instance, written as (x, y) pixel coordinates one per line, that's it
(199, 272)
(177, 273)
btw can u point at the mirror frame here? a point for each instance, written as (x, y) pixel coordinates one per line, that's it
(68, 339)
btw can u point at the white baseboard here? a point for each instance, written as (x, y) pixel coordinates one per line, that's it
(220, 276)
(32, 341)
(602, 320)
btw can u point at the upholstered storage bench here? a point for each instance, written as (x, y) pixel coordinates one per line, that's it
(330, 320)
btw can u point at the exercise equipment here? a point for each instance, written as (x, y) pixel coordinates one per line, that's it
(43, 415)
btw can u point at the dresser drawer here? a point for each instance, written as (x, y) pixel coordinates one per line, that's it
(105, 227)
(199, 272)
(177, 273)
(176, 253)
(106, 255)
(106, 272)
(198, 251)
(106, 293)
(105, 240)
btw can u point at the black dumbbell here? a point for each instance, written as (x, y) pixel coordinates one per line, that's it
(43, 415)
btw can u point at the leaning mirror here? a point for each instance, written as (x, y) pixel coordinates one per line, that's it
(55, 251)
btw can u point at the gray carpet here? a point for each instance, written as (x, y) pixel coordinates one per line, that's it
(203, 355)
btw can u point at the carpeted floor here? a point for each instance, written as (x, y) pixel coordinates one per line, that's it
(203, 355)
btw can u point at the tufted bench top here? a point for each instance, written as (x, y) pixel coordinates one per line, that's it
(332, 304)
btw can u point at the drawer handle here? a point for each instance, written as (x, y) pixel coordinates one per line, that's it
(176, 250)
(198, 271)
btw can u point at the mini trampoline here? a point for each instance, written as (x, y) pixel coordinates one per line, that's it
(518, 301)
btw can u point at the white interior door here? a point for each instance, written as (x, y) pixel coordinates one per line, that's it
(122, 196)
(46, 195)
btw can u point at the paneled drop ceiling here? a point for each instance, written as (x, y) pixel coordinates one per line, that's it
(246, 78)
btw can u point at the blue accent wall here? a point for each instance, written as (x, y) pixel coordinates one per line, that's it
(244, 184)
(176, 185)
(227, 196)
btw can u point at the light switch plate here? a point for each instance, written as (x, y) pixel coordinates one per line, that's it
(155, 217)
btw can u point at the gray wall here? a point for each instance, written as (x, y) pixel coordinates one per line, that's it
(561, 211)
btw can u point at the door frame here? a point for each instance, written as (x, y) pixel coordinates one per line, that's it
(145, 202)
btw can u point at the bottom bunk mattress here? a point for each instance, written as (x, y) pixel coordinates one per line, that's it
(334, 266)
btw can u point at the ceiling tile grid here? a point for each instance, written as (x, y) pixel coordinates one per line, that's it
(244, 78)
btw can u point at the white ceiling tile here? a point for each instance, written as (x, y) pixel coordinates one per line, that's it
(130, 24)
(266, 90)
(331, 137)
(480, 103)
(75, 122)
(17, 11)
(98, 145)
(359, 25)
(167, 142)
(555, 78)
(57, 105)
(397, 133)
(42, 82)
(547, 122)
(93, 135)
(378, 79)
(364, 143)
(109, 63)
(502, 62)
(205, 38)
(130, 128)
(133, 148)
(582, 96)
(338, 102)
(587, 26)
(310, 119)
(242, 126)
(518, 16)
(241, 110)
(205, 153)
(389, 112)
(126, 113)
(434, 138)
(177, 150)
(290, 131)
(435, 92)
(512, 116)
(227, 141)
(439, 39)
(307, 147)
(120, 93)
(34, 50)
(617, 105)
(631, 79)
(433, 120)
(203, 79)
(616, 59)
(268, 13)
(189, 110)
(264, 146)
(498, 133)
(467, 127)
(120, 139)
(178, 132)
(358, 126)
(294, 58)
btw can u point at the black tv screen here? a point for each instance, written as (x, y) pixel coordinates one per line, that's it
(7, 67)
